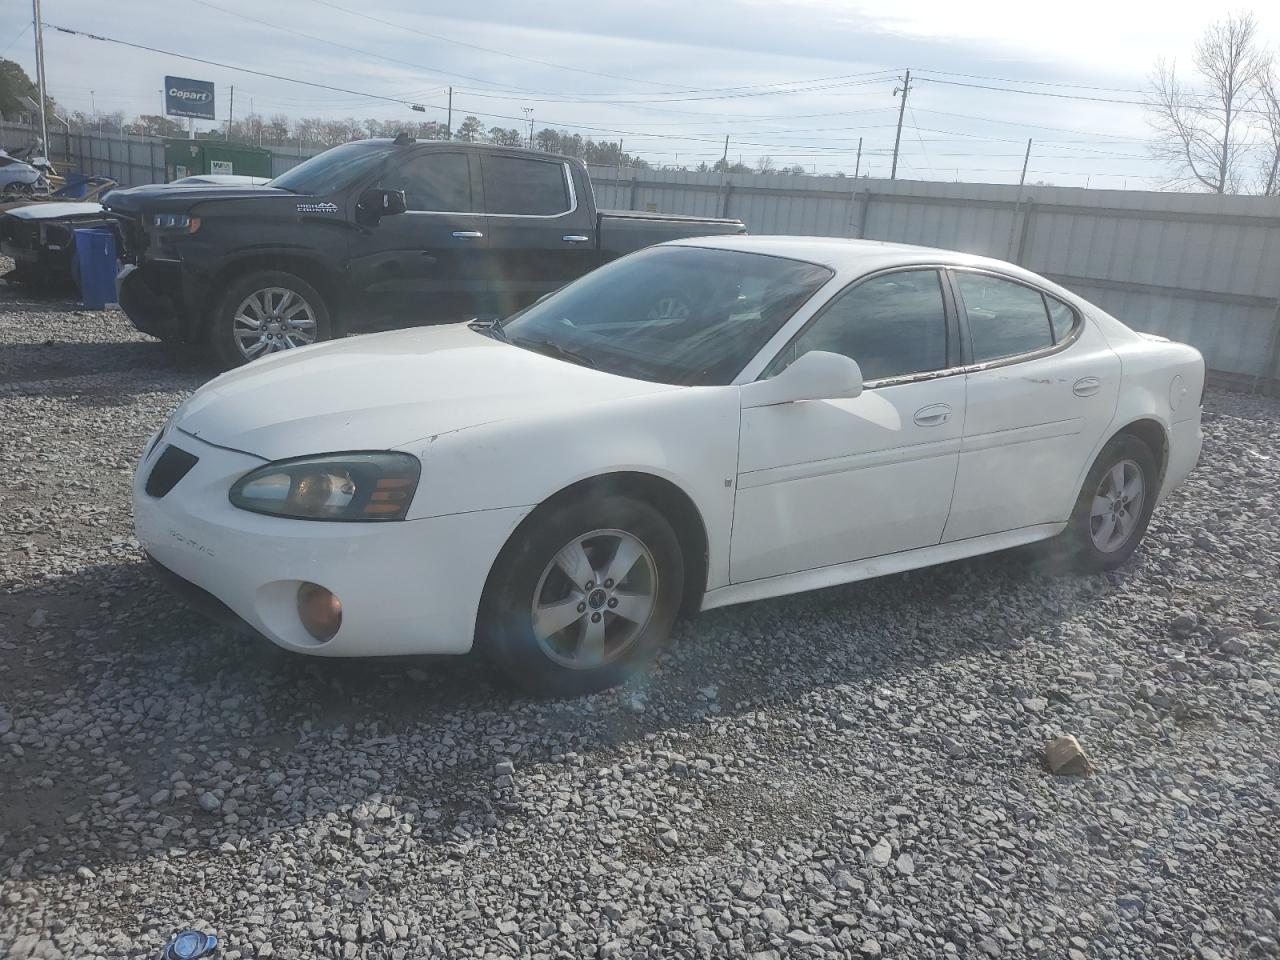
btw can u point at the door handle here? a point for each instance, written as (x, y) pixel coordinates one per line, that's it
(468, 235)
(934, 415)
(575, 238)
(1087, 386)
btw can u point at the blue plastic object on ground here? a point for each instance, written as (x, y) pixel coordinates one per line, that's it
(96, 253)
(75, 186)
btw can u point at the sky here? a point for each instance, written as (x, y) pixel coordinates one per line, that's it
(799, 81)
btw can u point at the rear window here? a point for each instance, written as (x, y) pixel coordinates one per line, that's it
(523, 186)
(1005, 318)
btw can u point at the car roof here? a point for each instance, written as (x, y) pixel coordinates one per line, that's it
(854, 258)
(849, 256)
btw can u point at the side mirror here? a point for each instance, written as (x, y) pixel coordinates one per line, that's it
(817, 375)
(382, 203)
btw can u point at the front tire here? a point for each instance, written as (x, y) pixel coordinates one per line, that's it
(1114, 505)
(583, 597)
(267, 312)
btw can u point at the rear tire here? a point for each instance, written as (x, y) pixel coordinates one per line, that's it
(288, 311)
(583, 597)
(1114, 506)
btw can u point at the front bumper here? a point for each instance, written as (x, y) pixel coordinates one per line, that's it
(407, 587)
(151, 297)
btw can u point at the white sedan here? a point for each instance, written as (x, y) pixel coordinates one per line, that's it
(698, 424)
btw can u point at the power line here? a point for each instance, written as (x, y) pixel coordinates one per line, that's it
(21, 33)
(1058, 96)
(383, 97)
(293, 31)
(227, 66)
(561, 66)
(474, 46)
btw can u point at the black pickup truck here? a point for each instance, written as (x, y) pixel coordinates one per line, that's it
(361, 226)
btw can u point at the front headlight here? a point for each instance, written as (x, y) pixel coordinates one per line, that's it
(175, 222)
(337, 486)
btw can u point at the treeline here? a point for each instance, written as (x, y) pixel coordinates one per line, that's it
(311, 132)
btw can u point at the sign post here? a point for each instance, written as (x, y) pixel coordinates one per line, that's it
(189, 98)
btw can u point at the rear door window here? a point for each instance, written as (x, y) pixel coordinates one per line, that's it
(522, 186)
(1005, 318)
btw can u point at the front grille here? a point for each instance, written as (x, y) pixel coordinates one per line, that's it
(171, 466)
(131, 238)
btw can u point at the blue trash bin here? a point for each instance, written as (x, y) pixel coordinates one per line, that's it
(96, 255)
(76, 185)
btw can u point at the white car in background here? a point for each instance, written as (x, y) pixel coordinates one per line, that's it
(702, 423)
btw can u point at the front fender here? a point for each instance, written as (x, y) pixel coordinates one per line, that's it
(688, 437)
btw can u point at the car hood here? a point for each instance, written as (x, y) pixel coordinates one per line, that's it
(54, 210)
(386, 390)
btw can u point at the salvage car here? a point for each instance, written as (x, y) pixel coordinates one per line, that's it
(385, 224)
(556, 487)
(39, 236)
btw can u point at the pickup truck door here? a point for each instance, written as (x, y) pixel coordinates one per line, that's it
(541, 222)
(438, 243)
(825, 482)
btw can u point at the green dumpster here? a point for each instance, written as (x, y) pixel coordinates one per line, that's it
(188, 158)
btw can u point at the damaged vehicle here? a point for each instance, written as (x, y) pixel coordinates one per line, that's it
(40, 236)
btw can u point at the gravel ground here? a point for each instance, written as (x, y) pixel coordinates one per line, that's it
(852, 772)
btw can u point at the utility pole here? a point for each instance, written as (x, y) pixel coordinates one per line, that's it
(44, 129)
(528, 115)
(448, 124)
(1025, 160)
(231, 112)
(857, 164)
(902, 108)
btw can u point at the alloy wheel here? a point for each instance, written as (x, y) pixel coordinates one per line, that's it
(1117, 506)
(271, 320)
(594, 599)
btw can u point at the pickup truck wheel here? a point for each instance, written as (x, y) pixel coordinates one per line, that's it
(267, 312)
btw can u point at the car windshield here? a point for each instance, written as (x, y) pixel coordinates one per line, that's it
(682, 315)
(333, 169)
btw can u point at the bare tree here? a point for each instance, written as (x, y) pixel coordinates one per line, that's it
(1269, 104)
(1203, 134)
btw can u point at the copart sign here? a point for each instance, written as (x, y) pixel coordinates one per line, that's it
(188, 98)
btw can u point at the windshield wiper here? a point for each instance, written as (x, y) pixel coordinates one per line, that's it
(551, 348)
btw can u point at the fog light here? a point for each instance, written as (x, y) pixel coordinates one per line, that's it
(319, 610)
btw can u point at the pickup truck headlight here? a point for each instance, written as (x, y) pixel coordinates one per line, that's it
(338, 486)
(175, 222)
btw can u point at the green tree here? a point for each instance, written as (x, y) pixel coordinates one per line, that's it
(509, 137)
(14, 85)
(471, 130)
